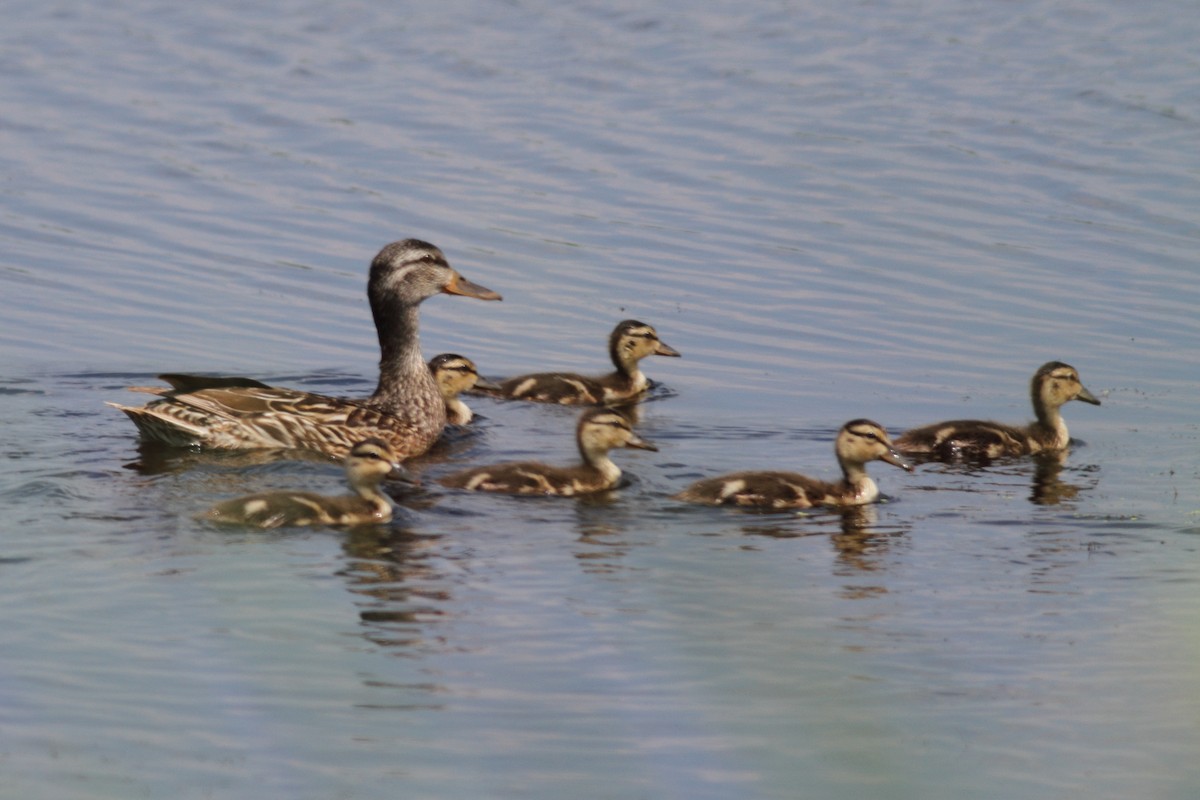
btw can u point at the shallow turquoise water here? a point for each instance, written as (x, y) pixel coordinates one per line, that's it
(887, 210)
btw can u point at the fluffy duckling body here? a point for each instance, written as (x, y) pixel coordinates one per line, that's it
(629, 343)
(406, 410)
(1053, 385)
(599, 431)
(858, 442)
(367, 464)
(456, 374)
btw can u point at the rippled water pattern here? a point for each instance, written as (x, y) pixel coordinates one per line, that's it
(895, 210)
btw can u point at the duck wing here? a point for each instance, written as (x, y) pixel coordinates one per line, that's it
(242, 417)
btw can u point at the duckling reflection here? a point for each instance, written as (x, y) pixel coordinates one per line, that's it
(1048, 487)
(600, 547)
(862, 543)
(1042, 472)
(854, 531)
(401, 592)
(628, 344)
(1053, 385)
(847, 520)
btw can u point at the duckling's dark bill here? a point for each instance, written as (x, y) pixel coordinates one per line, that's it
(894, 458)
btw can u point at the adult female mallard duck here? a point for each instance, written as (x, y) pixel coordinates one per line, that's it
(599, 430)
(629, 343)
(456, 374)
(1054, 384)
(406, 410)
(367, 464)
(858, 442)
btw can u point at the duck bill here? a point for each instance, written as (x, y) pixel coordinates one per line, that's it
(665, 349)
(640, 444)
(402, 475)
(894, 458)
(485, 385)
(461, 286)
(1087, 396)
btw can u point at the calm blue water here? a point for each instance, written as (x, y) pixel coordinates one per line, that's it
(893, 210)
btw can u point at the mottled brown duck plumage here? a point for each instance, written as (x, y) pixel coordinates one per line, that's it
(406, 409)
(1053, 385)
(629, 343)
(599, 430)
(367, 464)
(858, 442)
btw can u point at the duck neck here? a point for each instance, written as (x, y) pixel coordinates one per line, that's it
(628, 370)
(597, 459)
(404, 379)
(1049, 428)
(370, 492)
(458, 412)
(858, 486)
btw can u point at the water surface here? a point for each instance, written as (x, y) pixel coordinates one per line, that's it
(891, 210)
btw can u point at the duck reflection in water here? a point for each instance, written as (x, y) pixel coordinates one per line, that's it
(860, 541)
(1046, 484)
(1048, 488)
(400, 592)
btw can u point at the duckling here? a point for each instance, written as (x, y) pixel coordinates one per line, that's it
(367, 464)
(858, 442)
(406, 410)
(455, 374)
(629, 343)
(599, 431)
(1054, 384)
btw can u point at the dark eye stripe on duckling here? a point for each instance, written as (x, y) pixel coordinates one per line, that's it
(611, 422)
(370, 448)
(864, 428)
